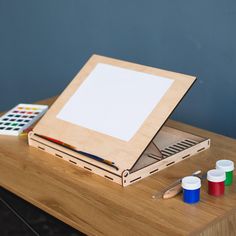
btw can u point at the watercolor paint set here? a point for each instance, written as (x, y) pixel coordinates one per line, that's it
(21, 117)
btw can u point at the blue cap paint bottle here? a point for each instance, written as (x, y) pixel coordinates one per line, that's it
(191, 189)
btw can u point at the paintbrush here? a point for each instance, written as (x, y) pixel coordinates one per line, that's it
(173, 189)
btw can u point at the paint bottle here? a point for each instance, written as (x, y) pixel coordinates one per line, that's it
(191, 189)
(216, 180)
(228, 167)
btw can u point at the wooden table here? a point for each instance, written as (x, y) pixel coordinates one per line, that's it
(96, 206)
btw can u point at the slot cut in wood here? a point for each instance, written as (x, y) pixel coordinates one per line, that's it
(200, 150)
(191, 141)
(170, 163)
(176, 149)
(188, 144)
(166, 152)
(154, 156)
(108, 177)
(73, 162)
(183, 145)
(58, 155)
(179, 147)
(87, 168)
(186, 156)
(131, 181)
(153, 171)
(172, 151)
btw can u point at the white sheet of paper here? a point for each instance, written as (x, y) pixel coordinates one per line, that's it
(115, 101)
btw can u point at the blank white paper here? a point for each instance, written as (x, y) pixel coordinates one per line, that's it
(115, 101)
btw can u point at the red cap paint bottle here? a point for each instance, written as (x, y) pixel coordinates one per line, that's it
(216, 180)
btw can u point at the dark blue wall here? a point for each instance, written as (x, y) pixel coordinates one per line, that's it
(43, 44)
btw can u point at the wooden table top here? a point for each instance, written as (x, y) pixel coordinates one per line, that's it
(96, 206)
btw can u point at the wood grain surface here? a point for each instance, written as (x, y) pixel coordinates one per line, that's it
(97, 206)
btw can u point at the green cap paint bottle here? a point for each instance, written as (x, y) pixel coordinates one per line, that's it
(228, 167)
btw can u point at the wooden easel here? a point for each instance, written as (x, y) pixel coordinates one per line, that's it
(152, 148)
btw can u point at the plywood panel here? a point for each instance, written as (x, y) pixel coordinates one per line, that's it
(123, 153)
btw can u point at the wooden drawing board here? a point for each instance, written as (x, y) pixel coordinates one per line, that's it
(122, 148)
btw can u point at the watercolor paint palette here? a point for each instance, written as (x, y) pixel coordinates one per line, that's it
(21, 117)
